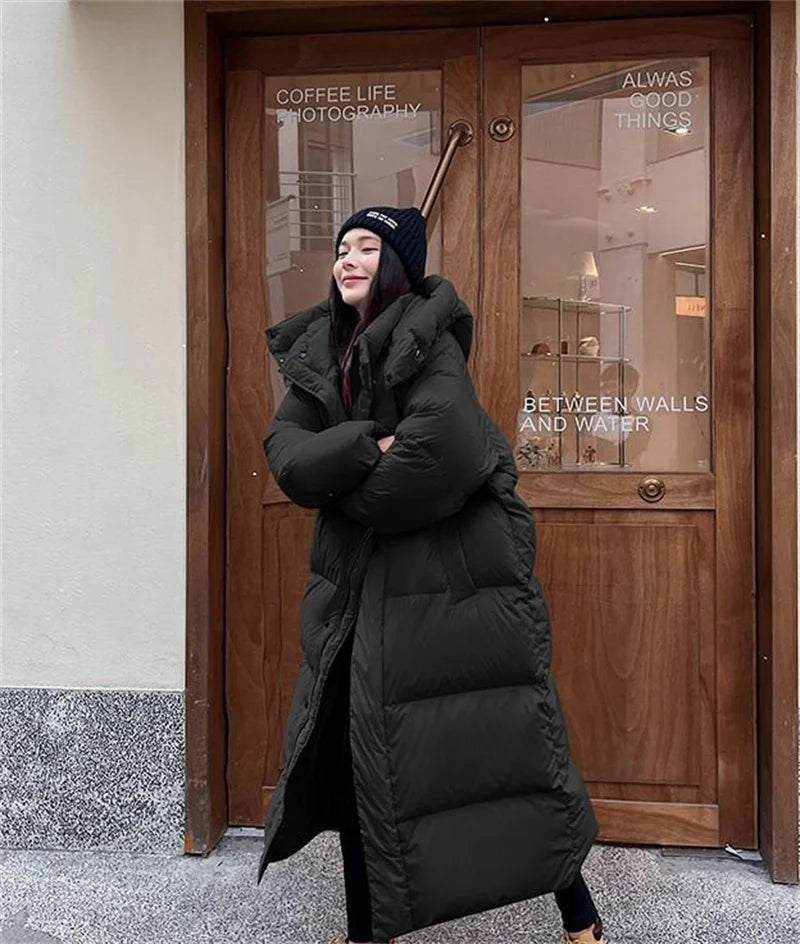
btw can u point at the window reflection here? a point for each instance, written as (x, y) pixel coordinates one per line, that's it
(614, 316)
(333, 144)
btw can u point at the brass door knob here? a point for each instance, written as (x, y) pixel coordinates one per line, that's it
(502, 128)
(651, 489)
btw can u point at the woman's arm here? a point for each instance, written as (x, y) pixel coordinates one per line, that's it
(313, 465)
(441, 455)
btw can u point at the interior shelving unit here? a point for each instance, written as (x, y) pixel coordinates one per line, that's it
(550, 364)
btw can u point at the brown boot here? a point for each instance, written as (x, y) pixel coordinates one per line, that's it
(592, 935)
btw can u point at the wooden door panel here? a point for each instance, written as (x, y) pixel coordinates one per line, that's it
(733, 358)
(652, 604)
(600, 490)
(626, 596)
(262, 665)
(268, 538)
(267, 543)
(668, 824)
(248, 700)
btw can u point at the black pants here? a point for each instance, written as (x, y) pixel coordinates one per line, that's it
(575, 903)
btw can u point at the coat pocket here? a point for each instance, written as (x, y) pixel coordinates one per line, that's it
(451, 551)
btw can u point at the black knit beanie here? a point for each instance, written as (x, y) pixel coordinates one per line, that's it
(402, 227)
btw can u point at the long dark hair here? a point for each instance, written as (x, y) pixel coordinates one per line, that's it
(390, 280)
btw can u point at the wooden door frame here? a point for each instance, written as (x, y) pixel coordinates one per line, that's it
(206, 25)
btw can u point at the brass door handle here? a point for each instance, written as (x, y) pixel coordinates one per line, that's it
(651, 488)
(459, 133)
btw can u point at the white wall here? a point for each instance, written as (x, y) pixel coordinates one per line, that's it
(93, 293)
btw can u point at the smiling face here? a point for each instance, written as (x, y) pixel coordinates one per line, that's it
(357, 260)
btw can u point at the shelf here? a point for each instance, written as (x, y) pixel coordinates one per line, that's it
(577, 358)
(557, 325)
(573, 304)
(592, 466)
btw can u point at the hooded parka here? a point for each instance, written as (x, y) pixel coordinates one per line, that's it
(421, 588)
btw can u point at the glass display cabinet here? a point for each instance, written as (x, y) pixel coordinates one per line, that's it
(573, 411)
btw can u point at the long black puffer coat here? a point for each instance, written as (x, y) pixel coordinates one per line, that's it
(421, 586)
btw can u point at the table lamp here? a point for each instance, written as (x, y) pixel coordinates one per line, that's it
(583, 267)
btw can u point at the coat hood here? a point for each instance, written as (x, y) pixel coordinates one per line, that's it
(409, 326)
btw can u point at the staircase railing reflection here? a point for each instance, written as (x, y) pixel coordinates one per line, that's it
(317, 202)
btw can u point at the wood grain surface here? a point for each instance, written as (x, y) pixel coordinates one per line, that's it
(675, 824)
(653, 609)
(733, 443)
(627, 592)
(248, 634)
(349, 52)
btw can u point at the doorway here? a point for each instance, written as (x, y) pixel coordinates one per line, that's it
(599, 225)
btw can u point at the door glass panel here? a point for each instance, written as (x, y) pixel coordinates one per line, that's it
(333, 144)
(614, 276)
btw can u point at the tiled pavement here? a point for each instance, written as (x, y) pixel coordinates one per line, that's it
(645, 896)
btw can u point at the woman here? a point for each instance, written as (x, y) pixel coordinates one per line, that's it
(424, 725)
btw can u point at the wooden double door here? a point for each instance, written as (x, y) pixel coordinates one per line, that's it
(599, 225)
